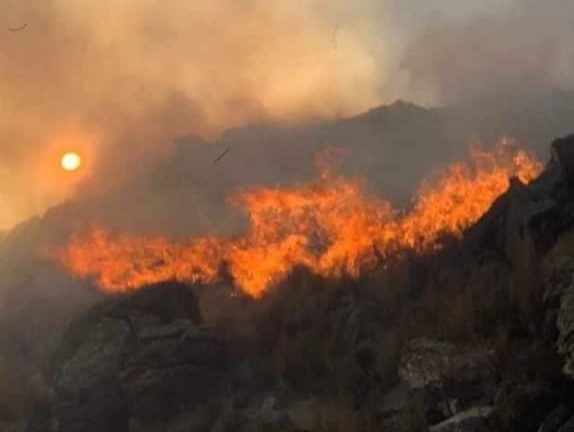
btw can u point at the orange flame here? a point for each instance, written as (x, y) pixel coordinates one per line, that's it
(464, 193)
(328, 225)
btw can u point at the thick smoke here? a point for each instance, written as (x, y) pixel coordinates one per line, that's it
(120, 80)
(510, 49)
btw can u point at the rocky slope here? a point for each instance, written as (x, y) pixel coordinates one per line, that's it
(475, 337)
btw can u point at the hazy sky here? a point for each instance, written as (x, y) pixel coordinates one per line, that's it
(118, 80)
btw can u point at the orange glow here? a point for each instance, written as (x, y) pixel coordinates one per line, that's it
(328, 225)
(71, 161)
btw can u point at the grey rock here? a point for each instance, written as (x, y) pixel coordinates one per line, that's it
(88, 398)
(425, 362)
(138, 363)
(472, 420)
(563, 157)
(565, 324)
(556, 419)
(267, 416)
(525, 222)
(442, 380)
(140, 322)
(98, 358)
(431, 363)
(568, 426)
(559, 279)
(162, 394)
(173, 329)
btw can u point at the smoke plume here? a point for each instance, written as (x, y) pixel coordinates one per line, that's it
(505, 50)
(119, 80)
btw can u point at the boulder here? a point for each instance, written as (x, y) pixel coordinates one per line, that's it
(266, 412)
(426, 362)
(472, 420)
(562, 162)
(87, 395)
(137, 363)
(526, 221)
(556, 419)
(568, 426)
(444, 379)
(559, 280)
(566, 332)
(520, 226)
(560, 297)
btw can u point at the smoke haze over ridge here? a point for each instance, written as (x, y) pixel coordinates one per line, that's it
(120, 80)
(125, 78)
(516, 48)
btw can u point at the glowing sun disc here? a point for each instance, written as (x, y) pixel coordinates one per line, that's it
(71, 162)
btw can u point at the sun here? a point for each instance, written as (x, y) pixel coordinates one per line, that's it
(71, 162)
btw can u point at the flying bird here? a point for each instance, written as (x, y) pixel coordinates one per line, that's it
(221, 156)
(17, 29)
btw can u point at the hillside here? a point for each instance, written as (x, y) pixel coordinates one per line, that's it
(473, 337)
(185, 195)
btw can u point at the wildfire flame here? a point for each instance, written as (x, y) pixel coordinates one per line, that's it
(328, 225)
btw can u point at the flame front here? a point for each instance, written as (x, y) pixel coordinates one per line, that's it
(328, 225)
(125, 263)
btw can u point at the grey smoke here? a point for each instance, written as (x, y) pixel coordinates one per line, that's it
(506, 50)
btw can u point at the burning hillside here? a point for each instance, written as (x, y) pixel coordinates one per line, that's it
(330, 225)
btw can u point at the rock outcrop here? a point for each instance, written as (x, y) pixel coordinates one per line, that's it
(135, 364)
(565, 323)
(525, 222)
(444, 384)
(472, 420)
